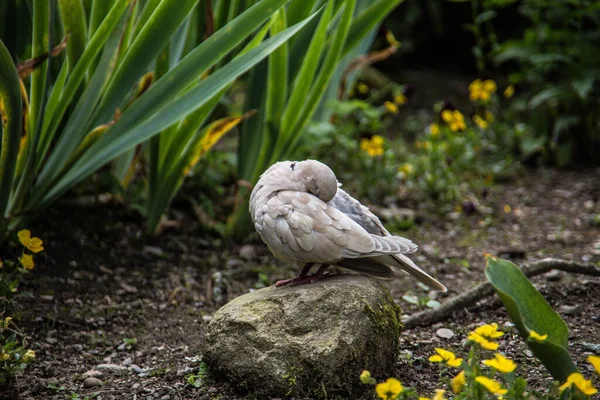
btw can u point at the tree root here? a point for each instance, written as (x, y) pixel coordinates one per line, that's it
(485, 289)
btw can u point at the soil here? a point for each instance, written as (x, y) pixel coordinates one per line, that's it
(101, 280)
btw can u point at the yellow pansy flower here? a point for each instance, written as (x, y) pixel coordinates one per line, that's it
(362, 88)
(372, 146)
(480, 122)
(29, 355)
(482, 90)
(34, 244)
(501, 364)
(483, 342)
(4, 356)
(365, 377)
(489, 331)
(391, 107)
(536, 336)
(489, 116)
(389, 389)
(509, 91)
(491, 385)
(454, 119)
(434, 129)
(584, 385)
(400, 99)
(446, 357)
(26, 261)
(458, 382)
(595, 361)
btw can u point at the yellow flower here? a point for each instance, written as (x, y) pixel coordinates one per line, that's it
(536, 336)
(362, 88)
(391, 107)
(406, 169)
(480, 122)
(595, 361)
(365, 377)
(483, 342)
(4, 356)
(29, 355)
(389, 389)
(489, 331)
(27, 261)
(35, 244)
(501, 364)
(434, 130)
(507, 209)
(447, 357)
(458, 382)
(509, 91)
(400, 99)
(454, 119)
(489, 117)
(373, 146)
(482, 90)
(582, 384)
(439, 395)
(491, 385)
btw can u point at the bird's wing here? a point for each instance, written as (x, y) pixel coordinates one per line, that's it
(358, 213)
(298, 226)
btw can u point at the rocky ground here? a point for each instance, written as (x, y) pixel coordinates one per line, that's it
(112, 314)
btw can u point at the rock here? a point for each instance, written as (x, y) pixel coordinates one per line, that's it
(127, 362)
(307, 340)
(92, 382)
(111, 367)
(92, 373)
(445, 333)
(248, 252)
(553, 275)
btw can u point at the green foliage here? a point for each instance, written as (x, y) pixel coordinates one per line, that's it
(14, 357)
(554, 66)
(199, 379)
(530, 312)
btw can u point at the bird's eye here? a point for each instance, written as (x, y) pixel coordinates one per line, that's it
(293, 165)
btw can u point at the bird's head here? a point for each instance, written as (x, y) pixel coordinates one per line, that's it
(306, 176)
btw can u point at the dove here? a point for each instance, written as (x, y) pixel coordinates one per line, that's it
(305, 218)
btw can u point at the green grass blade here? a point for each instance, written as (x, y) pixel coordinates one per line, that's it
(144, 16)
(78, 73)
(147, 45)
(367, 20)
(41, 18)
(53, 99)
(304, 79)
(299, 10)
(72, 16)
(321, 83)
(10, 125)
(100, 9)
(121, 137)
(197, 62)
(221, 11)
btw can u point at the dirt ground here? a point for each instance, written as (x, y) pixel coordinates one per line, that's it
(102, 281)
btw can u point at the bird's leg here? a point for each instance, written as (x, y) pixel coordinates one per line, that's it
(297, 280)
(317, 275)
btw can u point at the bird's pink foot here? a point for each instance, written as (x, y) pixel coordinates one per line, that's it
(303, 278)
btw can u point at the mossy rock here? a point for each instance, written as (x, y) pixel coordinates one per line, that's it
(306, 341)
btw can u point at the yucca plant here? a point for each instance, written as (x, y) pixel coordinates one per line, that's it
(89, 112)
(300, 77)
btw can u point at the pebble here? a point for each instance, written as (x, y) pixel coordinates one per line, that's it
(127, 361)
(135, 386)
(92, 382)
(77, 347)
(166, 397)
(51, 340)
(139, 371)
(588, 205)
(207, 318)
(554, 275)
(248, 252)
(111, 367)
(92, 373)
(122, 347)
(445, 333)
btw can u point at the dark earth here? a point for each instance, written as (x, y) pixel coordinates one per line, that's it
(101, 280)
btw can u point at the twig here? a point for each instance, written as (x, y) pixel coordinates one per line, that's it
(485, 289)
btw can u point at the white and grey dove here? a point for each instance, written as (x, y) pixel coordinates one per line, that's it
(305, 218)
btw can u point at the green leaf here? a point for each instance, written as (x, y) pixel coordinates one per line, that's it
(530, 312)
(121, 136)
(41, 18)
(10, 129)
(72, 16)
(546, 95)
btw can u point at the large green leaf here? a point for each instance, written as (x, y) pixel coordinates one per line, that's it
(10, 129)
(121, 136)
(530, 312)
(72, 16)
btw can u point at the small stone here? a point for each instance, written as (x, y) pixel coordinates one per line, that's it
(248, 252)
(314, 335)
(111, 367)
(92, 373)
(122, 347)
(46, 297)
(128, 288)
(445, 333)
(588, 205)
(92, 382)
(207, 318)
(166, 397)
(135, 386)
(554, 275)
(153, 250)
(51, 340)
(77, 347)
(127, 361)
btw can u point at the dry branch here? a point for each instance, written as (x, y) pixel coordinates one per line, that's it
(485, 289)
